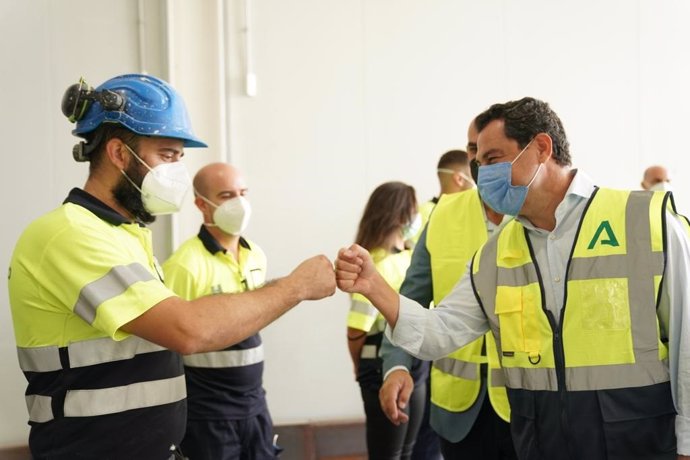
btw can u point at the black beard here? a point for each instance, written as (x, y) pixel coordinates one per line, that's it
(129, 197)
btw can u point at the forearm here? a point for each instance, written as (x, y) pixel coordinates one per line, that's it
(217, 321)
(385, 299)
(394, 357)
(431, 334)
(417, 286)
(234, 317)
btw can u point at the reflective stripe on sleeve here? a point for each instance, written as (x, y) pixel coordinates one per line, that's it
(113, 284)
(226, 358)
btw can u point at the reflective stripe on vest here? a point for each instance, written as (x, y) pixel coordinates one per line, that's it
(466, 370)
(364, 308)
(89, 403)
(369, 352)
(610, 332)
(85, 353)
(457, 368)
(226, 358)
(456, 229)
(81, 403)
(113, 284)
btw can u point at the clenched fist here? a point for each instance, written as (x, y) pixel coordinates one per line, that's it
(354, 270)
(315, 277)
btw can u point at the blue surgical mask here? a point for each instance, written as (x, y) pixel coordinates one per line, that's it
(496, 188)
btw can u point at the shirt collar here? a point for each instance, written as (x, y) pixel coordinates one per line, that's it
(581, 188)
(582, 185)
(103, 211)
(212, 245)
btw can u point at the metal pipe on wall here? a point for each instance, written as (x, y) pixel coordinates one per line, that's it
(249, 76)
(170, 65)
(141, 27)
(223, 85)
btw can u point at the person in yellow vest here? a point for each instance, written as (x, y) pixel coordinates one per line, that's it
(227, 414)
(453, 176)
(585, 292)
(468, 403)
(383, 230)
(655, 178)
(98, 334)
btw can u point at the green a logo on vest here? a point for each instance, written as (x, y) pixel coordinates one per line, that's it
(610, 240)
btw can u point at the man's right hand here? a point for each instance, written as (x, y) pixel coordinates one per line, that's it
(315, 278)
(355, 270)
(394, 395)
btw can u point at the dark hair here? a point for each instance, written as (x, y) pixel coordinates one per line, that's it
(453, 157)
(390, 206)
(524, 119)
(102, 135)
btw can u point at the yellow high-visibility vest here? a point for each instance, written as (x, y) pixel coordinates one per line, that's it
(392, 267)
(78, 274)
(198, 268)
(456, 230)
(608, 336)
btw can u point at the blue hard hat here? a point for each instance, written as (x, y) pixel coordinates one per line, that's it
(151, 107)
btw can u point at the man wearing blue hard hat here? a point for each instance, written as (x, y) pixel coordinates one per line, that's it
(98, 334)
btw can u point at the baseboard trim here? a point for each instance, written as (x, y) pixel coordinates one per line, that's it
(15, 453)
(333, 440)
(338, 440)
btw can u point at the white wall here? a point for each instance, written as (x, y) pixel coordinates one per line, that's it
(354, 94)
(350, 94)
(46, 46)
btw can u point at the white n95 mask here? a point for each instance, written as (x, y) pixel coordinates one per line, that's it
(231, 216)
(164, 187)
(411, 229)
(661, 187)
